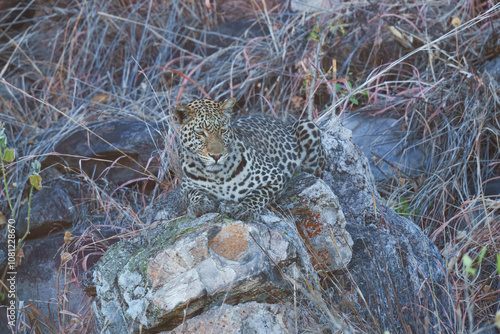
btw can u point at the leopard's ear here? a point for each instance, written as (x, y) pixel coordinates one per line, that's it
(183, 114)
(227, 107)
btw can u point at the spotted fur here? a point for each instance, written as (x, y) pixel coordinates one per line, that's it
(240, 167)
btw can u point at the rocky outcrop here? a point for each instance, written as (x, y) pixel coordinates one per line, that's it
(44, 281)
(333, 236)
(319, 220)
(396, 271)
(184, 268)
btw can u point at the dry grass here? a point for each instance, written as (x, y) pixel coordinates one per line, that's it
(68, 63)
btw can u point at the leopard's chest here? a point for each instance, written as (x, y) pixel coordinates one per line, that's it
(238, 176)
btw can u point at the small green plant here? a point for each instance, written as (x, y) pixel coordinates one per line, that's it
(338, 25)
(403, 208)
(344, 91)
(469, 262)
(314, 35)
(7, 155)
(36, 183)
(498, 263)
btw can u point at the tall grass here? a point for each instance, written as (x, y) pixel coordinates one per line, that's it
(66, 64)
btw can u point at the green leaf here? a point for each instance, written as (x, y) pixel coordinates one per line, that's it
(8, 155)
(313, 35)
(482, 254)
(36, 181)
(354, 101)
(3, 137)
(468, 265)
(471, 271)
(467, 260)
(498, 263)
(364, 92)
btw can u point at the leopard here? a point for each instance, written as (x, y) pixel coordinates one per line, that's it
(237, 168)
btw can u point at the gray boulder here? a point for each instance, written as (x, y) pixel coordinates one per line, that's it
(116, 150)
(53, 208)
(398, 273)
(382, 140)
(45, 283)
(252, 317)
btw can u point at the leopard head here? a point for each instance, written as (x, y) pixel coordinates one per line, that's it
(205, 129)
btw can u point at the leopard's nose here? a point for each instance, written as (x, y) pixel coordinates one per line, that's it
(216, 157)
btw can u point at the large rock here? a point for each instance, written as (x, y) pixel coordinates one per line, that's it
(312, 5)
(396, 271)
(348, 174)
(43, 282)
(401, 273)
(226, 34)
(183, 272)
(53, 208)
(116, 150)
(383, 142)
(319, 221)
(186, 267)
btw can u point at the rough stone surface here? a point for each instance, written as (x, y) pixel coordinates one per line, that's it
(348, 174)
(231, 242)
(382, 141)
(52, 208)
(252, 317)
(168, 208)
(226, 34)
(159, 280)
(136, 139)
(319, 220)
(37, 278)
(231, 10)
(398, 270)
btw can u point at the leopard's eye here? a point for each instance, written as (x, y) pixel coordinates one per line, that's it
(200, 132)
(223, 130)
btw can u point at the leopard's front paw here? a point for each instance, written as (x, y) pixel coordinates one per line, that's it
(239, 211)
(200, 207)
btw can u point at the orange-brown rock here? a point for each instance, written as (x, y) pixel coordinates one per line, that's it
(231, 242)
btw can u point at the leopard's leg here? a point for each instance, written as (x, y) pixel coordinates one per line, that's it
(198, 202)
(311, 151)
(251, 206)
